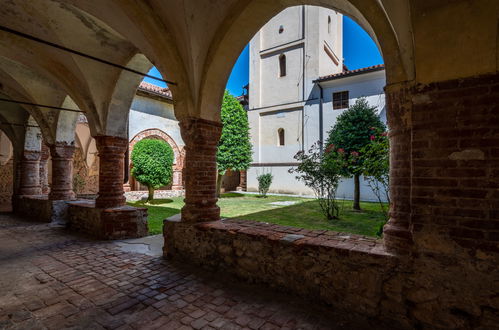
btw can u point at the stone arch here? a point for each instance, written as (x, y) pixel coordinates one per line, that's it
(236, 31)
(66, 123)
(179, 153)
(123, 95)
(157, 133)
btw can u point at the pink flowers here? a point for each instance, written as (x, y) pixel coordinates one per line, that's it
(329, 148)
(372, 137)
(341, 150)
(354, 154)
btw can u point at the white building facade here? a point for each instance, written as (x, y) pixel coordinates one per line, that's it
(298, 87)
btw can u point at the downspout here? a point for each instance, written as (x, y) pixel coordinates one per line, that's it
(321, 119)
(126, 168)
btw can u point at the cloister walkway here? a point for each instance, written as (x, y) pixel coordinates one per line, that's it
(52, 279)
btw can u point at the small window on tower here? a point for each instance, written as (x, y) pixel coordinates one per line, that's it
(281, 29)
(282, 65)
(340, 100)
(329, 24)
(280, 133)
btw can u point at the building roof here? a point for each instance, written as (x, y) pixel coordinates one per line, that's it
(155, 90)
(349, 73)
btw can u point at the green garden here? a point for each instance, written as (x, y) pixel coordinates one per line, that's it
(304, 213)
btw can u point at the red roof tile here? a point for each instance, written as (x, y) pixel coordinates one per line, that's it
(377, 67)
(154, 89)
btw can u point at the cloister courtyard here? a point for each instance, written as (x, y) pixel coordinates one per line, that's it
(75, 255)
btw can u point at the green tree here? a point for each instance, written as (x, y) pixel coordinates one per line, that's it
(152, 164)
(352, 132)
(234, 148)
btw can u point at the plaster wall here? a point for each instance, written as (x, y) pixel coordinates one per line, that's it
(275, 89)
(33, 140)
(286, 183)
(291, 21)
(147, 113)
(264, 126)
(305, 36)
(268, 141)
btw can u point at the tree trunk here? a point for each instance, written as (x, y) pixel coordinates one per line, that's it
(219, 183)
(150, 197)
(356, 194)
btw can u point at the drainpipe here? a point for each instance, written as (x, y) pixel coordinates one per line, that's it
(321, 119)
(126, 168)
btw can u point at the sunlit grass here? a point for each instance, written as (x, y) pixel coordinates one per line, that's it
(305, 213)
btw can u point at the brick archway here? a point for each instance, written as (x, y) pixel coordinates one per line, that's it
(179, 153)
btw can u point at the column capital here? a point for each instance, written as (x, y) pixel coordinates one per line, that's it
(200, 131)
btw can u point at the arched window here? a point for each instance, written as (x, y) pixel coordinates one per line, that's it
(329, 24)
(282, 65)
(280, 133)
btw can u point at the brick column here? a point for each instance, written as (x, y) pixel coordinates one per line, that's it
(45, 153)
(30, 173)
(111, 175)
(397, 232)
(200, 169)
(62, 172)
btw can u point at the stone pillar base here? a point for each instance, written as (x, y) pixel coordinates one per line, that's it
(40, 208)
(107, 223)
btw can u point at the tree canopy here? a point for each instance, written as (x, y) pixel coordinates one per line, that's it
(234, 148)
(352, 132)
(152, 164)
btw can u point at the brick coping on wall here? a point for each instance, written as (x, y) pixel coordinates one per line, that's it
(39, 197)
(88, 203)
(299, 237)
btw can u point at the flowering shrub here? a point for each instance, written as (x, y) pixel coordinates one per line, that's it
(322, 173)
(377, 166)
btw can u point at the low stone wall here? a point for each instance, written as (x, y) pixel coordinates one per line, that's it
(352, 273)
(348, 271)
(133, 196)
(40, 208)
(112, 223)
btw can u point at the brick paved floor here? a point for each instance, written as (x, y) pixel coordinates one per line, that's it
(51, 279)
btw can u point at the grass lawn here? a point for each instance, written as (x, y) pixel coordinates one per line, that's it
(305, 213)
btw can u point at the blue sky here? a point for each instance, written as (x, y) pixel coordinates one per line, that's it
(359, 51)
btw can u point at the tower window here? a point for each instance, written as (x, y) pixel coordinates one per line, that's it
(280, 134)
(281, 29)
(329, 24)
(282, 65)
(340, 100)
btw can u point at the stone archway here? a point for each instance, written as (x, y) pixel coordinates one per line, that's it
(179, 153)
